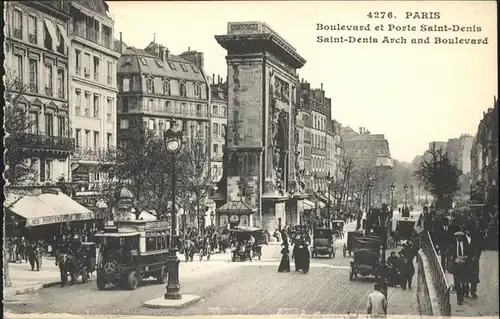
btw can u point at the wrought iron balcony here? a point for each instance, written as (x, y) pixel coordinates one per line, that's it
(45, 142)
(94, 154)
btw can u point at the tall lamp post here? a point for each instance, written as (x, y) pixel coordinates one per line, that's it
(412, 194)
(393, 186)
(370, 186)
(329, 181)
(173, 140)
(406, 195)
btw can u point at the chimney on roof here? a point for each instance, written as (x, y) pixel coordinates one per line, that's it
(302, 80)
(213, 78)
(161, 52)
(360, 130)
(167, 54)
(189, 49)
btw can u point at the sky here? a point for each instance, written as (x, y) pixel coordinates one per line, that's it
(412, 93)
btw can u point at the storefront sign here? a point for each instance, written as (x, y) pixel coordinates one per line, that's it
(244, 220)
(223, 221)
(60, 219)
(234, 218)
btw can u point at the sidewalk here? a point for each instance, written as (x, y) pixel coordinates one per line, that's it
(404, 302)
(487, 290)
(25, 281)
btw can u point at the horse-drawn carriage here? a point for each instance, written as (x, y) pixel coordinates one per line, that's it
(200, 245)
(242, 248)
(338, 228)
(366, 257)
(76, 264)
(348, 246)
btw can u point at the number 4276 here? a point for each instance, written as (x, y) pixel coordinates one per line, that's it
(380, 15)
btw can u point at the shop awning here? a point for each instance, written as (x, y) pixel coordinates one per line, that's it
(308, 204)
(235, 207)
(52, 33)
(47, 207)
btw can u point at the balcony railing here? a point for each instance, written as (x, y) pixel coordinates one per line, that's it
(45, 142)
(18, 33)
(32, 38)
(48, 91)
(94, 154)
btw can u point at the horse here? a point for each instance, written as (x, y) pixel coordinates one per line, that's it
(189, 249)
(66, 265)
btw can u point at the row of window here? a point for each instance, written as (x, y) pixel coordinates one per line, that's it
(164, 86)
(222, 109)
(90, 67)
(28, 79)
(87, 139)
(318, 141)
(47, 169)
(90, 105)
(127, 104)
(219, 129)
(319, 122)
(156, 242)
(193, 130)
(52, 123)
(53, 33)
(318, 164)
(91, 29)
(171, 65)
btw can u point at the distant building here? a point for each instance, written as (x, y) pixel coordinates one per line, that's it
(364, 148)
(218, 124)
(484, 160)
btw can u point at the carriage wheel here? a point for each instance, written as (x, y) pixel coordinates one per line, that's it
(101, 284)
(132, 280)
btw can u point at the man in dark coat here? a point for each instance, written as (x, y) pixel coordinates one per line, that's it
(445, 240)
(393, 269)
(401, 269)
(408, 270)
(475, 241)
(459, 254)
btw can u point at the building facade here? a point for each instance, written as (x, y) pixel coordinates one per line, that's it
(305, 112)
(93, 95)
(36, 65)
(218, 125)
(484, 160)
(155, 85)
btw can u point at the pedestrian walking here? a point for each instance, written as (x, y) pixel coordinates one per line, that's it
(376, 305)
(285, 259)
(401, 269)
(408, 272)
(459, 255)
(474, 241)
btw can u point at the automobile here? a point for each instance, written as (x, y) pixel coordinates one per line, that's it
(366, 250)
(404, 227)
(323, 243)
(132, 251)
(241, 249)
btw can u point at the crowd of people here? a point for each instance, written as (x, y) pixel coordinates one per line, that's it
(299, 237)
(460, 244)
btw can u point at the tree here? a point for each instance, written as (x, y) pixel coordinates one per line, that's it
(17, 123)
(195, 176)
(439, 176)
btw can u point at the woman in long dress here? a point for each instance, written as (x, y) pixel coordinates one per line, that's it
(285, 260)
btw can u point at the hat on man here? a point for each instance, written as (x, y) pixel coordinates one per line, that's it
(459, 233)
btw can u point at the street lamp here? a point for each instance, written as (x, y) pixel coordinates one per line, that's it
(393, 186)
(412, 194)
(329, 181)
(173, 140)
(406, 193)
(369, 204)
